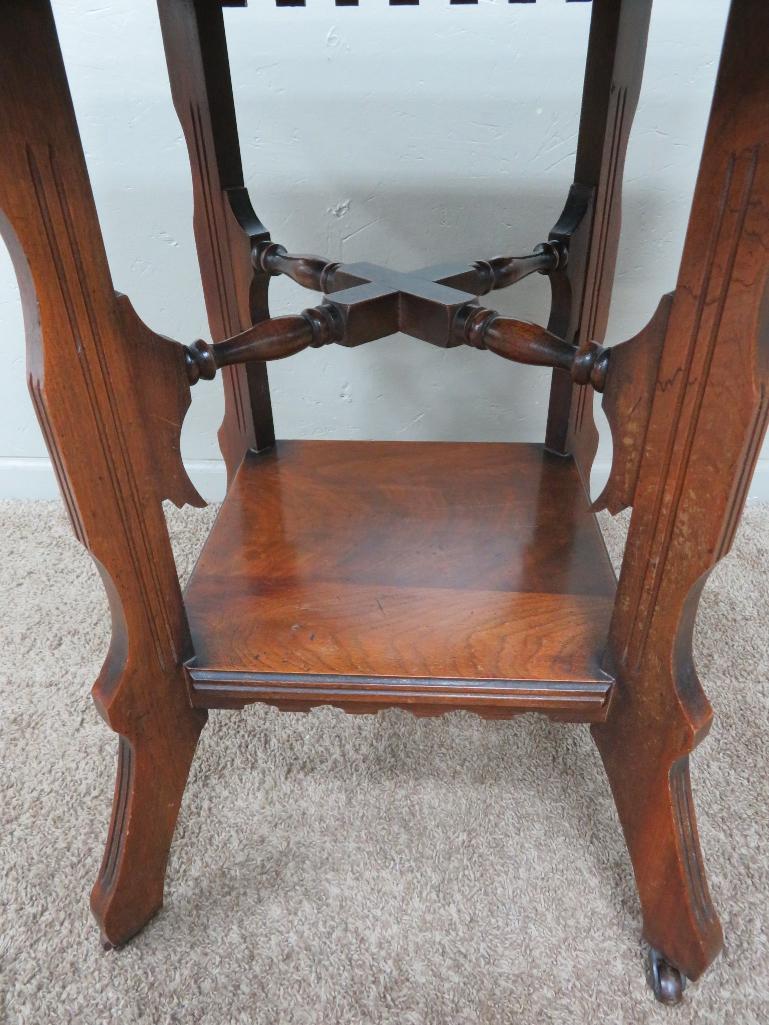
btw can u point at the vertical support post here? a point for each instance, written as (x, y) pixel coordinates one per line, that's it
(110, 397)
(590, 223)
(226, 227)
(708, 418)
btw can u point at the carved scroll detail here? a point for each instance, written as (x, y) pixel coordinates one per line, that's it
(163, 395)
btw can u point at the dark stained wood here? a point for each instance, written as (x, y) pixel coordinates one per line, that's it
(564, 700)
(308, 271)
(708, 419)
(590, 224)
(110, 396)
(389, 301)
(499, 272)
(528, 343)
(374, 574)
(428, 304)
(445, 562)
(268, 340)
(483, 276)
(366, 302)
(226, 227)
(373, 312)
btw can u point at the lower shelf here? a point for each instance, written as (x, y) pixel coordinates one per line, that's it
(423, 575)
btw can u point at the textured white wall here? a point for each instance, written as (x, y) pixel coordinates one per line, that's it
(404, 136)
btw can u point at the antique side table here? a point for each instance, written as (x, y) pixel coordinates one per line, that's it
(424, 576)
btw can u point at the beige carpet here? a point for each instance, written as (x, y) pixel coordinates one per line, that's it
(332, 869)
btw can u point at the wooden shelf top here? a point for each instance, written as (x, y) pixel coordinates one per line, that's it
(429, 572)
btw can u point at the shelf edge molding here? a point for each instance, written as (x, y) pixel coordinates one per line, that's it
(571, 701)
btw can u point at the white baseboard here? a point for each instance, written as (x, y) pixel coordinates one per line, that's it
(33, 478)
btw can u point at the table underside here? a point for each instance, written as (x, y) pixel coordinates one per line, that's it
(425, 575)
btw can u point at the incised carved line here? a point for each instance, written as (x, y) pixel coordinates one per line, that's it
(114, 455)
(38, 401)
(683, 810)
(647, 594)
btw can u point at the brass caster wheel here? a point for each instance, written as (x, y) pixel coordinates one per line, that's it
(666, 980)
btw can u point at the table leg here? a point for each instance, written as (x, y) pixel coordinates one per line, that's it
(226, 227)
(708, 418)
(590, 223)
(110, 396)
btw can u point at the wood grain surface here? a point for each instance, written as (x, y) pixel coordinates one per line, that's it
(706, 421)
(404, 560)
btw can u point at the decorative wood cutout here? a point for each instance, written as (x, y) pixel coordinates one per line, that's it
(163, 398)
(627, 402)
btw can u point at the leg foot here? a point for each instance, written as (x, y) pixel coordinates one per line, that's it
(656, 809)
(151, 776)
(666, 980)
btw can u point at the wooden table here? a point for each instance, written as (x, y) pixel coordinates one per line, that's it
(374, 574)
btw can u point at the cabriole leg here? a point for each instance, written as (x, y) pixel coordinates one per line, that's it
(110, 397)
(707, 421)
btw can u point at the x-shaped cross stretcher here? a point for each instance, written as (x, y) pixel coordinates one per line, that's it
(364, 302)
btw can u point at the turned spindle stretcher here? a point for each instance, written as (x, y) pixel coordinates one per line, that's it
(424, 576)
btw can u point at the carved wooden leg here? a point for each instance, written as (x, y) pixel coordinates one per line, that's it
(590, 223)
(110, 396)
(707, 418)
(226, 227)
(654, 800)
(153, 765)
